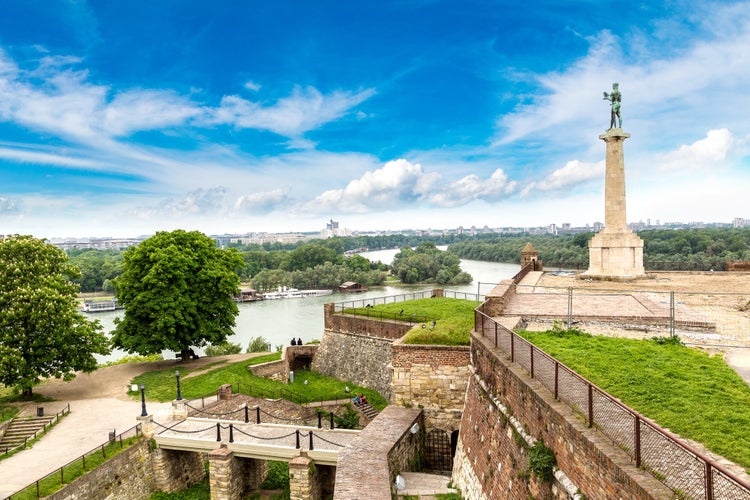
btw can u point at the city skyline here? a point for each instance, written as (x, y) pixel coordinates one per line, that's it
(126, 119)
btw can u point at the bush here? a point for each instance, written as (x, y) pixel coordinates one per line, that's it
(259, 344)
(347, 420)
(542, 461)
(277, 477)
(223, 348)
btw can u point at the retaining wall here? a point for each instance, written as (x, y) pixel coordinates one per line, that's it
(492, 454)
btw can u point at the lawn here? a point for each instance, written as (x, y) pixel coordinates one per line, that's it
(453, 319)
(161, 385)
(685, 390)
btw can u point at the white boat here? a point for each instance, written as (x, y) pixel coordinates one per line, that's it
(100, 305)
(294, 293)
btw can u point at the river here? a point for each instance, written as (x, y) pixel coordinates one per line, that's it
(279, 320)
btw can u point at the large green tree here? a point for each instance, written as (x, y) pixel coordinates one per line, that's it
(177, 290)
(42, 333)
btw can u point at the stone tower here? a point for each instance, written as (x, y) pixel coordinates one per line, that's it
(529, 255)
(615, 252)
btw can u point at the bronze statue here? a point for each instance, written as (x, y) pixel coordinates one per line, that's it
(614, 98)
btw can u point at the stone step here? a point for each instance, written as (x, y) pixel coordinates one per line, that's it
(20, 429)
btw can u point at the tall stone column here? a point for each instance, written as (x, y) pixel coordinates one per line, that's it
(615, 219)
(616, 252)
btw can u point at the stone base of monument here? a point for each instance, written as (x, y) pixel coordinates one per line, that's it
(615, 256)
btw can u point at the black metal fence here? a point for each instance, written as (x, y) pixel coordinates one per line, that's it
(75, 468)
(686, 471)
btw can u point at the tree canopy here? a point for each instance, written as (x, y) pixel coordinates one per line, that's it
(42, 333)
(426, 263)
(177, 289)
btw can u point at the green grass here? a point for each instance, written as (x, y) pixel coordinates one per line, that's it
(52, 483)
(685, 390)
(7, 412)
(161, 385)
(454, 319)
(198, 491)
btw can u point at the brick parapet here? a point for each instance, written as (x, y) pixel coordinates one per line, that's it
(363, 325)
(491, 456)
(368, 466)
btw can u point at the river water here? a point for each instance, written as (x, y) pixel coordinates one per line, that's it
(279, 320)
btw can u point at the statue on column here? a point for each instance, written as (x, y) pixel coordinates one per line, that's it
(614, 98)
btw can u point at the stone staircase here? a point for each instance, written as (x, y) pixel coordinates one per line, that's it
(367, 410)
(20, 429)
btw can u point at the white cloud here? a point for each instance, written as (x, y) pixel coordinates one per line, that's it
(7, 206)
(262, 202)
(136, 110)
(705, 153)
(196, 203)
(573, 173)
(251, 85)
(304, 110)
(472, 187)
(23, 155)
(397, 181)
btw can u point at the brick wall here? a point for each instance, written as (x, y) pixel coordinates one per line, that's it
(433, 378)
(127, 475)
(358, 358)
(275, 370)
(492, 454)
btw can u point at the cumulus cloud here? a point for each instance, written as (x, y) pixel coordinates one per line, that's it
(712, 151)
(195, 203)
(472, 187)
(397, 181)
(400, 182)
(573, 173)
(263, 202)
(304, 110)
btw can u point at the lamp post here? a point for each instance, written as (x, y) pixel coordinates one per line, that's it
(143, 401)
(177, 376)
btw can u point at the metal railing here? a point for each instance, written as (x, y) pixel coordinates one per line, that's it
(680, 467)
(77, 466)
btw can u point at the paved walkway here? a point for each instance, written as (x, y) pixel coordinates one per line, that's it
(86, 427)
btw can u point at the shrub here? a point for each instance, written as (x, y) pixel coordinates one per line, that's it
(223, 348)
(258, 344)
(542, 461)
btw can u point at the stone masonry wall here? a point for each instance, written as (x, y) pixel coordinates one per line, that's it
(498, 298)
(127, 475)
(433, 378)
(358, 358)
(368, 466)
(491, 460)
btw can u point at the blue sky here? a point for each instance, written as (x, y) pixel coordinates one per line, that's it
(126, 118)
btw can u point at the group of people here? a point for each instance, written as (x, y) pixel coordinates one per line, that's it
(360, 399)
(296, 342)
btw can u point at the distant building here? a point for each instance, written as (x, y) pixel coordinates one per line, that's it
(740, 222)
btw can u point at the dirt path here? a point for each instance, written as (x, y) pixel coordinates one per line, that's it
(113, 381)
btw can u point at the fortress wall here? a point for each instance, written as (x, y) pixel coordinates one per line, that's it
(355, 357)
(128, 475)
(363, 325)
(505, 412)
(433, 378)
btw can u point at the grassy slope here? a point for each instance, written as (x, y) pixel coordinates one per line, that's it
(454, 319)
(685, 390)
(161, 385)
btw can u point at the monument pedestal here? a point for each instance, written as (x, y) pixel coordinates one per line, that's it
(616, 252)
(615, 256)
